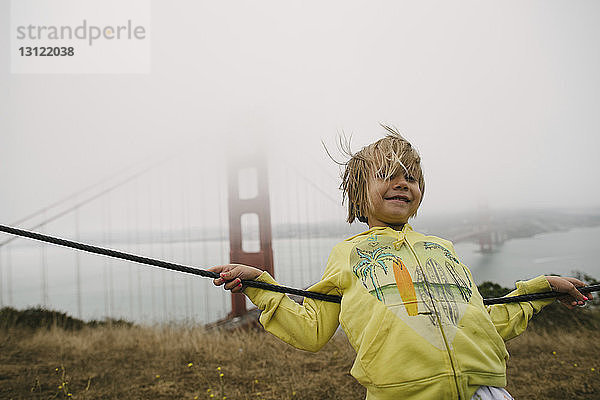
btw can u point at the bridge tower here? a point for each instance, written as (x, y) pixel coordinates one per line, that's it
(249, 170)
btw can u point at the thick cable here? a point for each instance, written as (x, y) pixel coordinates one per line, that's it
(248, 283)
(537, 296)
(162, 264)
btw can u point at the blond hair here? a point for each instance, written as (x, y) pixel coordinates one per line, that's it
(382, 159)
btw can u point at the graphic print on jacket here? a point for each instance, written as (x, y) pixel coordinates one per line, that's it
(415, 289)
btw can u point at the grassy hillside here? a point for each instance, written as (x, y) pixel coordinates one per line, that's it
(130, 362)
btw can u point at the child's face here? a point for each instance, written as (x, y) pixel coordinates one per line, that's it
(393, 201)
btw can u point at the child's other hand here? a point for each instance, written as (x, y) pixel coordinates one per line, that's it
(233, 274)
(568, 286)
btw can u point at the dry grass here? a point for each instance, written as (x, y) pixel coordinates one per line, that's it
(555, 365)
(183, 363)
(168, 363)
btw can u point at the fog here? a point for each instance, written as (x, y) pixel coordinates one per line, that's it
(501, 99)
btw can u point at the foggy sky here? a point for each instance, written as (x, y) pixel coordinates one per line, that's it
(502, 99)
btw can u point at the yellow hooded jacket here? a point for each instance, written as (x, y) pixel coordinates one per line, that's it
(412, 312)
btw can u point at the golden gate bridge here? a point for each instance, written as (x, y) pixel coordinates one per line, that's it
(272, 213)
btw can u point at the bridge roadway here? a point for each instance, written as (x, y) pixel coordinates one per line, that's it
(486, 237)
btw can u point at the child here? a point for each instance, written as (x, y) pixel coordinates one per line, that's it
(409, 307)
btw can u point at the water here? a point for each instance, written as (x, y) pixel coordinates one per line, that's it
(147, 294)
(140, 293)
(116, 288)
(549, 253)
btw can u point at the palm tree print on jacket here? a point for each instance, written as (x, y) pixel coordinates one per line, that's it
(368, 264)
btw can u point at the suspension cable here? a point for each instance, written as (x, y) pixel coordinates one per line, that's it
(249, 283)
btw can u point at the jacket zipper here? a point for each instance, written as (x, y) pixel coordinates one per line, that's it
(397, 244)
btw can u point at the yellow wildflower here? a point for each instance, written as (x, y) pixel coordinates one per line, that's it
(553, 353)
(221, 374)
(574, 364)
(157, 376)
(190, 365)
(218, 368)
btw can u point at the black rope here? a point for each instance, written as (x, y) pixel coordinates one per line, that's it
(163, 264)
(537, 296)
(249, 283)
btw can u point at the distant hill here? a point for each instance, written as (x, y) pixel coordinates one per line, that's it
(514, 223)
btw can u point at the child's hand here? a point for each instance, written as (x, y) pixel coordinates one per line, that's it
(569, 286)
(233, 274)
